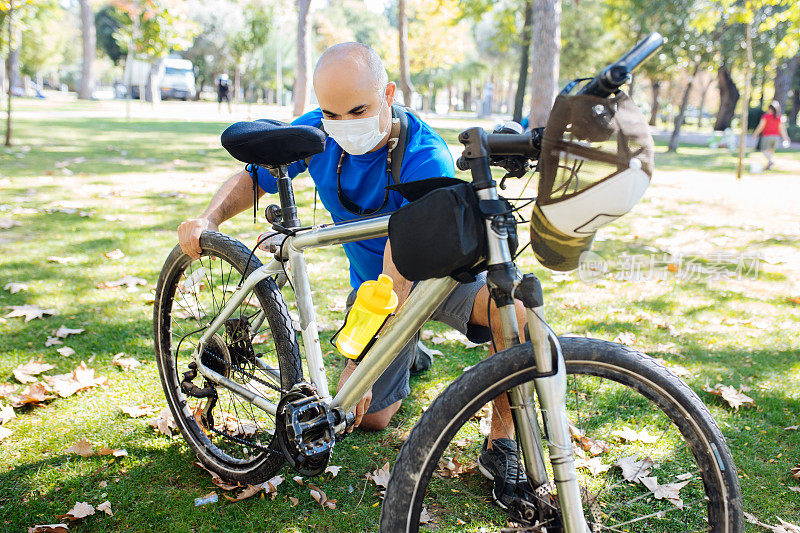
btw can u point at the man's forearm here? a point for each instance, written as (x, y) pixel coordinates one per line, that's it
(402, 287)
(235, 195)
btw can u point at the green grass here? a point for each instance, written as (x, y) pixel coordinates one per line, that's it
(734, 331)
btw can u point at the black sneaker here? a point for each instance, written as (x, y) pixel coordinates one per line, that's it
(501, 465)
(422, 360)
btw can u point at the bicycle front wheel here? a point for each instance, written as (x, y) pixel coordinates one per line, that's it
(650, 456)
(256, 349)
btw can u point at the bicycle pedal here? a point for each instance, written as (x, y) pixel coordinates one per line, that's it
(306, 433)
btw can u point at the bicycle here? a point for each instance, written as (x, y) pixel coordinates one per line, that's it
(254, 411)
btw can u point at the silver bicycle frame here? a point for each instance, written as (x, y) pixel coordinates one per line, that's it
(409, 319)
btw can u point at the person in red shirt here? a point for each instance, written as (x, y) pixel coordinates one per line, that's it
(772, 129)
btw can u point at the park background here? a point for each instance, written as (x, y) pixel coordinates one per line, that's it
(703, 274)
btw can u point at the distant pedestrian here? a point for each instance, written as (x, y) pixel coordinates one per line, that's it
(772, 130)
(223, 92)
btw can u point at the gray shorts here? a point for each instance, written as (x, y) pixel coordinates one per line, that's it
(393, 385)
(770, 142)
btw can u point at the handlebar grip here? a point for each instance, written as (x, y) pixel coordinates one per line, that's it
(617, 74)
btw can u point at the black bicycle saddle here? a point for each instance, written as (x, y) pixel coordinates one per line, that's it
(271, 143)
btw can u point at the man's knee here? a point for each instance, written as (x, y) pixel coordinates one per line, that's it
(380, 420)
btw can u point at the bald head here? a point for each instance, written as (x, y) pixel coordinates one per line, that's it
(351, 61)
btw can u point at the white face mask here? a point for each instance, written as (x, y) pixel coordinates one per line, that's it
(358, 135)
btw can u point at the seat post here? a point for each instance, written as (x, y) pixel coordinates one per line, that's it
(286, 195)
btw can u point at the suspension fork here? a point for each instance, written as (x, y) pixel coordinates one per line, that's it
(550, 382)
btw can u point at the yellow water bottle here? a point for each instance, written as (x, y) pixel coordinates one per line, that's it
(375, 300)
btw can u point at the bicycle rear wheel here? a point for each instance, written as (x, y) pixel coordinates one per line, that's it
(256, 348)
(636, 425)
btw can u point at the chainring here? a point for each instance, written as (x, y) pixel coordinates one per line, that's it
(292, 447)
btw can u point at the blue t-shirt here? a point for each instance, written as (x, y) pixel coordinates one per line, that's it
(364, 179)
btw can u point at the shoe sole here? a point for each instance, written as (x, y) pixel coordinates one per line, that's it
(489, 476)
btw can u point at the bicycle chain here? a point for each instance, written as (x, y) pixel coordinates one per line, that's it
(248, 374)
(259, 380)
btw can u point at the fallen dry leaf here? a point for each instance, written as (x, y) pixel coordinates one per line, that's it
(791, 428)
(728, 393)
(795, 472)
(298, 480)
(52, 341)
(669, 491)
(164, 422)
(81, 378)
(24, 373)
(6, 223)
(60, 260)
(424, 516)
(63, 331)
(115, 254)
(83, 448)
(594, 447)
(106, 508)
(381, 476)
(7, 389)
(594, 465)
(627, 338)
(4, 432)
(28, 311)
(126, 363)
(783, 527)
(49, 528)
(130, 282)
(271, 486)
(81, 510)
(32, 394)
(294, 501)
(321, 497)
(14, 287)
(116, 452)
(66, 351)
(631, 435)
(136, 411)
(632, 469)
(247, 492)
(333, 470)
(452, 468)
(6, 414)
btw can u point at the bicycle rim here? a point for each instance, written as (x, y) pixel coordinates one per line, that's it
(230, 431)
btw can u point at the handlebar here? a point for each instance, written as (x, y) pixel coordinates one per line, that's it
(617, 74)
(528, 145)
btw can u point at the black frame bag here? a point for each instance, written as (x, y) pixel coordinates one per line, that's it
(440, 234)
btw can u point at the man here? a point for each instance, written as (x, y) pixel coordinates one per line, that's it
(223, 92)
(355, 110)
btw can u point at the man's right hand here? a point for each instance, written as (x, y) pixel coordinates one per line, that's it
(189, 235)
(363, 404)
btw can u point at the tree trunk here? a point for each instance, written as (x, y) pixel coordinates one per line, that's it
(763, 77)
(153, 87)
(525, 49)
(237, 80)
(784, 76)
(795, 106)
(405, 74)
(89, 38)
(9, 69)
(655, 107)
(467, 97)
(673, 141)
(728, 97)
(301, 77)
(546, 39)
(703, 104)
